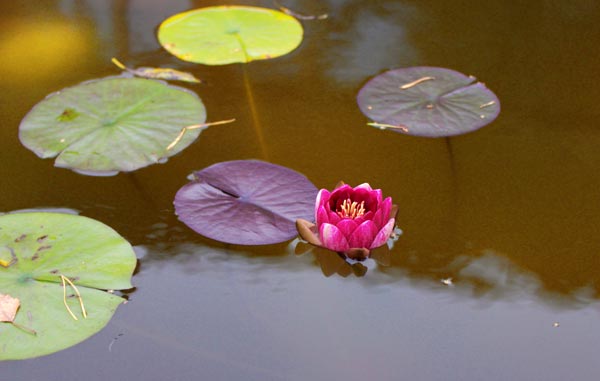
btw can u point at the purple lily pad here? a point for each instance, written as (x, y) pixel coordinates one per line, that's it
(428, 101)
(246, 202)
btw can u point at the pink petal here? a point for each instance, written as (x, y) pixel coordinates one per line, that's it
(370, 198)
(362, 195)
(322, 197)
(379, 195)
(334, 218)
(377, 219)
(368, 216)
(374, 199)
(382, 215)
(341, 192)
(386, 207)
(383, 235)
(333, 238)
(364, 186)
(322, 216)
(363, 235)
(347, 226)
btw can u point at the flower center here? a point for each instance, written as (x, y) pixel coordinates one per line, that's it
(351, 209)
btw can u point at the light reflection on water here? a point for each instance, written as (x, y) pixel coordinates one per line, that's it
(488, 276)
(234, 316)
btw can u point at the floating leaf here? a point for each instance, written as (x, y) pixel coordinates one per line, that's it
(247, 202)
(226, 34)
(8, 311)
(158, 73)
(113, 124)
(8, 308)
(48, 247)
(428, 101)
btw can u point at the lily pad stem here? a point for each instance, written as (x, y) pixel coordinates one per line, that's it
(23, 328)
(195, 126)
(254, 114)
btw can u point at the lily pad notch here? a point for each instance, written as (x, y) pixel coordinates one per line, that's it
(427, 101)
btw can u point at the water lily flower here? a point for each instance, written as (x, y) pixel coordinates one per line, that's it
(352, 221)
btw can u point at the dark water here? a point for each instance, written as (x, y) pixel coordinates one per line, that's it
(511, 212)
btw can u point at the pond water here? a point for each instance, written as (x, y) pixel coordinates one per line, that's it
(496, 275)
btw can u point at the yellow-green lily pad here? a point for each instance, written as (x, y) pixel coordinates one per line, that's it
(44, 248)
(222, 35)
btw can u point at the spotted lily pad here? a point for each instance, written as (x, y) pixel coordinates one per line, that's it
(246, 202)
(222, 35)
(42, 247)
(113, 124)
(428, 101)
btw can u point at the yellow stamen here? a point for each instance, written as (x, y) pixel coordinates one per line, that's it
(351, 209)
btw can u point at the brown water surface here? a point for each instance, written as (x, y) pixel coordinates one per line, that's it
(511, 213)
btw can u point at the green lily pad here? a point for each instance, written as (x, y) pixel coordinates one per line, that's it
(104, 126)
(227, 34)
(36, 249)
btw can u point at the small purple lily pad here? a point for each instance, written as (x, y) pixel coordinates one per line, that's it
(246, 202)
(428, 101)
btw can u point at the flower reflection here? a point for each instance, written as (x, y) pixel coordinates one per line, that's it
(339, 264)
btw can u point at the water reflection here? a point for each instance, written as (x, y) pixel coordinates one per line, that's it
(368, 39)
(125, 26)
(523, 188)
(487, 275)
(330, 262)
(58, 42)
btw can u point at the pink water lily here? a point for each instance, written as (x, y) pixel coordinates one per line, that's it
(352, 221)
